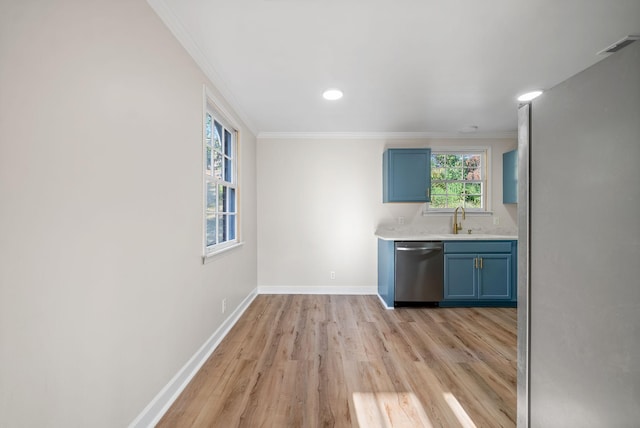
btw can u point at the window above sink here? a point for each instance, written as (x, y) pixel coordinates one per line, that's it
(459, 178)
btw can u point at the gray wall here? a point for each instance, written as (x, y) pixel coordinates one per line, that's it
(585, 248)
(337, 206)
(103, 294)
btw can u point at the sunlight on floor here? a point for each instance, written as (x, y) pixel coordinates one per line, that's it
(389, 409)
(462, 416)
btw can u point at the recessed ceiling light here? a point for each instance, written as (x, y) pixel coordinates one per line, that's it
(332, 94)
(469, 129)
(529, 96)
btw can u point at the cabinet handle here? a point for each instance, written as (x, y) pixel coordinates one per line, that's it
(480, 262)
(475, 263)
(428, 192)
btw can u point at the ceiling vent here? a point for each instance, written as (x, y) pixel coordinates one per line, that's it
(619, 45)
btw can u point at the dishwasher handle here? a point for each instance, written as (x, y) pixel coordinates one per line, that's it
(437, 246)
(417, 248)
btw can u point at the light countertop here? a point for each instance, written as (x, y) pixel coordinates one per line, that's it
(412, 235)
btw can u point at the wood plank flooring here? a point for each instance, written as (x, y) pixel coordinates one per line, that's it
(345, 361)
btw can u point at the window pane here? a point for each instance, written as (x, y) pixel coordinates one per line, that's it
(438, 161)
(222, 228)
(454, 174)
(208, 166)
(472, 161)
(227, 143)
(222, 202)
(232, 227)
(473, 201)
(454, 201)
(217, 137)
(472, 167)
(211, 213)
(227, 169)
(438, 173)
(454, 161)
(217, 165)
(212, 195)
(208, 126)
(438, 189)
(438, 201)
(473, 188)
(231, 199)
(455, 188)
(211, 229)
(472, 174)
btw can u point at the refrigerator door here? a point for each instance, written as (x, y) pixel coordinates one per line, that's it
(524, 120)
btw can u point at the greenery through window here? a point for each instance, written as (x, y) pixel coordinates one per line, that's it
(221, 215)
(458, 180)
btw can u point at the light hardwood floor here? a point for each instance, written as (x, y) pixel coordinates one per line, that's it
(345, 361)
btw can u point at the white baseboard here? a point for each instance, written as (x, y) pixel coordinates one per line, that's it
(151, 414)
(384, 303)
(319, 289)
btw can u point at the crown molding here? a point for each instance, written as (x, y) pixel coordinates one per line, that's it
(189, 44)
(385, 135)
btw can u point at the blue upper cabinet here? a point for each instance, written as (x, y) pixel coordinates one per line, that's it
(406, 175)
(510, 177)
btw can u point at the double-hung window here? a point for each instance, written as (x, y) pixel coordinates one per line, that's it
(458, 179)
(220, 182)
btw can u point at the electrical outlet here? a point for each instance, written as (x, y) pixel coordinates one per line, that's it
(224, 305)
(496, 220)
(400, 220)
(332, 274)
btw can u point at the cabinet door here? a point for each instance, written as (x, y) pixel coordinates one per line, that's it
(510, 177)
(460, 277)
(494, 277)
(407, 175)
(386, 271)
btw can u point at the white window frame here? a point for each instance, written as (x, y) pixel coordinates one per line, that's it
(213, 107)
(485, 153)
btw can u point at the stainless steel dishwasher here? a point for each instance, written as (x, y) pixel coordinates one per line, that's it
(419, 272)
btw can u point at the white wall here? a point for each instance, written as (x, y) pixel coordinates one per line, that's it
(103, 295)
(320, 202)
(585, 248)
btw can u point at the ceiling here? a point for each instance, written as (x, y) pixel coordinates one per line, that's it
(405, 66)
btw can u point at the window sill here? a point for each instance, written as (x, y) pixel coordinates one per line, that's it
(215, 253)
(449, 213)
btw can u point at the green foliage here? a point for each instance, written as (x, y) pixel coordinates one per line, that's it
(456, 180)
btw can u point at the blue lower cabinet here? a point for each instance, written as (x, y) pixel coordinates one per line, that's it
(494, 277)
(476, 273)
(386, 271)
(460, 277)
(476, 278)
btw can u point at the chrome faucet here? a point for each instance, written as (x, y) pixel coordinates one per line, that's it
(457, 226)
